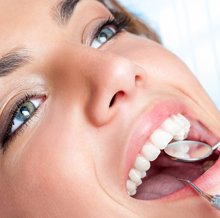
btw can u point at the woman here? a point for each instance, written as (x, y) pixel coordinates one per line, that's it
(81, 93)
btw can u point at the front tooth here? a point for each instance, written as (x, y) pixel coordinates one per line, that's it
(142, 164)
(131, 186)
(150, 152)
(180, 136)
(135, 175)
(178, 120)
(184, 119)
(171, 126)
(186, 129)
(161, 138)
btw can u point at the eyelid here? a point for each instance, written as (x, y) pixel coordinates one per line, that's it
(16, 124)
(119, 22)
(6, 117)
(90, 30)
(98, 44)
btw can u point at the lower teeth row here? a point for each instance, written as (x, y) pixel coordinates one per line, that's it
(174, 127)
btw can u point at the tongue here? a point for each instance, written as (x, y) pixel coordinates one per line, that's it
(160, 181)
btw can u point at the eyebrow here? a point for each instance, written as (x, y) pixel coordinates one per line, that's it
(64, 10)
(17, 57)
(13, 60)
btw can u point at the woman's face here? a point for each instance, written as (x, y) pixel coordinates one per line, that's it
(76, 110)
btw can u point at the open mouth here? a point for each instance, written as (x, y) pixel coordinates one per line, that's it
(152, 175)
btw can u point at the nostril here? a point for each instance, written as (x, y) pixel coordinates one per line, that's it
(112, 101)
(118, 95)
(137, 80)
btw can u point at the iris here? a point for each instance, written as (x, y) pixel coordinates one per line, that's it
(105, 35)
(25, 111)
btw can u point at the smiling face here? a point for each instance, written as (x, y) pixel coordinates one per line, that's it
(78, 108)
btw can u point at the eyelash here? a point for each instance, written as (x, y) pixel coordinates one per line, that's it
(8, 136)
(120, 21)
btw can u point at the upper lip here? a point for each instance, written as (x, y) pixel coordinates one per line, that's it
(149, 122)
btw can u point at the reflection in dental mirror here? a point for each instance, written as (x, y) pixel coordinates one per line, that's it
(189, 151)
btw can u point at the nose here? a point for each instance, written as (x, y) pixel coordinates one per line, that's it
(105, 81)
(112, 82)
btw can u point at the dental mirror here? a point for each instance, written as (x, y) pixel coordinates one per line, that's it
(189, 151)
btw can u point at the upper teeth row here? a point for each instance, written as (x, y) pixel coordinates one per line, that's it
(174, 127)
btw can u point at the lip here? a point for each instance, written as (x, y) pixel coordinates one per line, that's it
(149, 122)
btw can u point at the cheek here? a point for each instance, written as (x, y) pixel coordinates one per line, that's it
(50, 170)
(161, 66)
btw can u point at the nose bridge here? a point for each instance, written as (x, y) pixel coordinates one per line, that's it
(111, 82)
(107, 72)
(101, 82)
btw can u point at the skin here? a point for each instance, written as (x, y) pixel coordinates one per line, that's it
(70, 161)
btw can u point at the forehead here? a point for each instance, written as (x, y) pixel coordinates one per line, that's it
(23, 20)
(33, 23)
(11, 8)
(13, 12)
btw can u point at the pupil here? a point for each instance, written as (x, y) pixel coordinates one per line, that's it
(24, 111)
(103, 35)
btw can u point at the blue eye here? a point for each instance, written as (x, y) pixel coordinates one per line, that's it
(24, 112)
(104, 35)
(109, 28)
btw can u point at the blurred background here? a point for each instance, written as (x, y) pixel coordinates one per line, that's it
(191, 30)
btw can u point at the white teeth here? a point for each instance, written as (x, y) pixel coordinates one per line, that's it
(131, 186)
(180, 154)
(186, 156)
(180, 135)
(135, 175)
(178, 120)
(184, 119)
(181, 151)
(174, 127)
(142, 164)
(133, 192)
(161, 138)
(185, 124)
(171, 126)
(182, 148)
(139, 183)
(143, 174)
(186, 129)
(150, 152)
